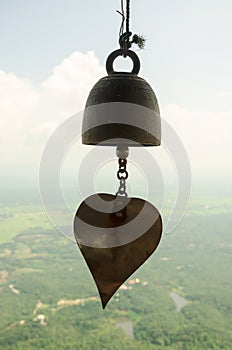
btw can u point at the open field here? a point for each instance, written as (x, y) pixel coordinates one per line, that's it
(15, 221)
(183, 298)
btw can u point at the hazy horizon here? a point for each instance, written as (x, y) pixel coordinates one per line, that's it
(44, 81)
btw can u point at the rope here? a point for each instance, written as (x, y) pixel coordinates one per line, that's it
(124, 36)
(123, 19)
(128, 16)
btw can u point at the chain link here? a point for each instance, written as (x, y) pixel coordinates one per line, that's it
(122, 175)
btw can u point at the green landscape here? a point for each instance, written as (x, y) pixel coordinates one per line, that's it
(181, 298)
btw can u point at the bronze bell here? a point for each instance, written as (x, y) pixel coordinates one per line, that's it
(122, 106)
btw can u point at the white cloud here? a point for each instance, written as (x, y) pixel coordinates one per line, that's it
(29, 114)
(65, 92)
(224, 94)
(206, 137)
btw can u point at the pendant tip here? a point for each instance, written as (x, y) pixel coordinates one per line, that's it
(104, 302)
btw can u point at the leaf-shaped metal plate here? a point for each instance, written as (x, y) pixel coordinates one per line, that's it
(116, 235)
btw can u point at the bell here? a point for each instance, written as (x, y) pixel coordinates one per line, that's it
(122, 106)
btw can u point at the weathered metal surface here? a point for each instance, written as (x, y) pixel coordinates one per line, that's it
(125, 88)
(116, 243)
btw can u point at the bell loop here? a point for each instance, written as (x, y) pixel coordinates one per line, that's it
(121, 52)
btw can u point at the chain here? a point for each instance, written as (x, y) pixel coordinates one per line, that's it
(122, 173)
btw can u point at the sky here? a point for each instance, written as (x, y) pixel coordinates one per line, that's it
(52, 52)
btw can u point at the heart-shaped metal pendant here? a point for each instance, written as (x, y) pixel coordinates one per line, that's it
(116, 235)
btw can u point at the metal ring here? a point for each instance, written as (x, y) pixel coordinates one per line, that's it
(122, 182)
(122, 174)
(122, 171)
(120, 52)
(122, 193)
(122, 162)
